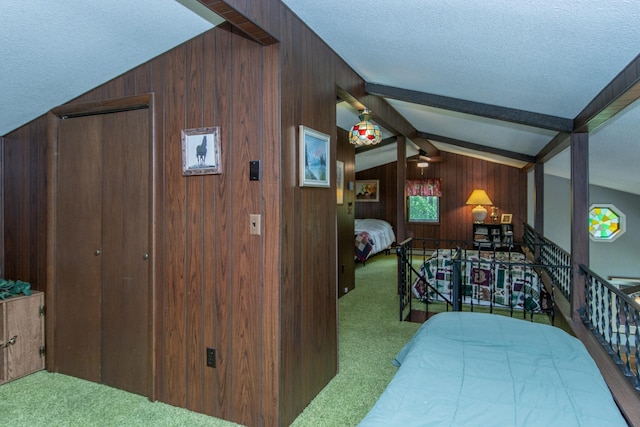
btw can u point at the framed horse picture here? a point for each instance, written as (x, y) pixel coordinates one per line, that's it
(201, 151)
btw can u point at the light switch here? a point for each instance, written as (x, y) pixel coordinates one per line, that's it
(254, 224)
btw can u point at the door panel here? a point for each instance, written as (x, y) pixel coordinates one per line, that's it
(125, 272)
(78, 234)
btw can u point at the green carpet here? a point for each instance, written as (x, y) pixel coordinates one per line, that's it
(370, 336)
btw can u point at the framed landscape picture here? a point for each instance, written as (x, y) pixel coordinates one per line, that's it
(314, 158)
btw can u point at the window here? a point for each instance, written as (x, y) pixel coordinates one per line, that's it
(423, 208)
(423, 200)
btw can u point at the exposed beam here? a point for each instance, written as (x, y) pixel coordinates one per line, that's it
(528, 118)
(482, 148)
(619, 93)
(558, 144)
(238, 20)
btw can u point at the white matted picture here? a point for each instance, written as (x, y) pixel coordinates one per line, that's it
(367, 191)
(314, 158)
(340, 182)
(201, 151)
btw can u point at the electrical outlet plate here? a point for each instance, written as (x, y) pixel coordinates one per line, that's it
(254, 224)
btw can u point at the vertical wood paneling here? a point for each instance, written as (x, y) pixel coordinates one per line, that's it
(218, 290)
(174, 231)
(194, 234)
(272, 230)
(506, 186)
(346, 264)
(245, 391)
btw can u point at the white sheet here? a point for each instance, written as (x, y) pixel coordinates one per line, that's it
(380, 231)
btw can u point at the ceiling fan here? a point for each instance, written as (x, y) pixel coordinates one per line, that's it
(423, 160)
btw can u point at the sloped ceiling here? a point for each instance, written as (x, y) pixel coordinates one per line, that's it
(54, 51)
(540, 59)
(441, 64)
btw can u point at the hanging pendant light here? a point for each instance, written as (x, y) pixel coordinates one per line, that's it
(365, 132)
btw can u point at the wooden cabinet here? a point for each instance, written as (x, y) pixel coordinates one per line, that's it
(21, 336)
(492, 235)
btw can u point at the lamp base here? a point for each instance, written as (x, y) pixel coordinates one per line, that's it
(479, 214)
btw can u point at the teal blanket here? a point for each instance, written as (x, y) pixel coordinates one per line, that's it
(475, 369)
(10, 288)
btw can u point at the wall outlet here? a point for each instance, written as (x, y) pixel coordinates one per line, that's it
(211, 357)
(346, 290)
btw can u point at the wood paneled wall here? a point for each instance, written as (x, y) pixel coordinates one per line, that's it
(505, 185)
(268, 304)
(346, 215)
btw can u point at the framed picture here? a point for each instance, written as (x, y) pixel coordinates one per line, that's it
(201, 151)
(367, 191)
(314, 158)
(506, 218)
(340, 182)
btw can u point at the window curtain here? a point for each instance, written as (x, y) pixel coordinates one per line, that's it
(424, 187)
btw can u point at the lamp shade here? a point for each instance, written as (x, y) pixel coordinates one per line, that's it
(479, 198)
(365, 132)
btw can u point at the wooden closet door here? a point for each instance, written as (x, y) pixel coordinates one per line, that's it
(125, 251)
(78, 234)
(101, 288)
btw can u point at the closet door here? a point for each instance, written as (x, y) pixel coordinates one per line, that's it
(102, 249)
(77, 245)
(125, 251)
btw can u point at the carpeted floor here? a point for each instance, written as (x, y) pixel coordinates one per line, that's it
(370, 336)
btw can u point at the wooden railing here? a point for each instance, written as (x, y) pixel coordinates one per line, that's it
(609, 327)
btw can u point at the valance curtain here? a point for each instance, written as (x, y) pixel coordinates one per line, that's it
(424, 187)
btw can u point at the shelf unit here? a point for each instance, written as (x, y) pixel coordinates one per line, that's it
(490, 235)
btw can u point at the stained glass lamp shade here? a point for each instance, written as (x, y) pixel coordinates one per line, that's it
(365, 132)
(606, 223)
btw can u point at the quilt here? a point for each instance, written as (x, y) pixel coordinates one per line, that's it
(372, 236)
(479, 369)
(499, 278)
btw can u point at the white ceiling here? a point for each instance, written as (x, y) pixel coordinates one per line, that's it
(537, 56)
(54, 51)
(532, 55)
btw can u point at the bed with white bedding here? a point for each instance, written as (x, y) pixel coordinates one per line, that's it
(372, 236)
(477, 369)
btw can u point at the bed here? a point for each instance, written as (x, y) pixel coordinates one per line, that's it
(371, 237)
(480, 369)
(492, 278)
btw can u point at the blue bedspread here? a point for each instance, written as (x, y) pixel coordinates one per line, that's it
(475, 369)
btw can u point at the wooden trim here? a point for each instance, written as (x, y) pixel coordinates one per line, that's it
(240, 21)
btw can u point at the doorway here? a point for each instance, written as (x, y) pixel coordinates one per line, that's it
(99, 324)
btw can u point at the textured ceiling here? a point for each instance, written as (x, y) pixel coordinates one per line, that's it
(54, 51)
(532, 55)
(536, 56)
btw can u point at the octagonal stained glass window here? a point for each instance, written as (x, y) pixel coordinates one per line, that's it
(606, 223)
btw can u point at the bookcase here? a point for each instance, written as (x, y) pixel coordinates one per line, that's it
(490, 235)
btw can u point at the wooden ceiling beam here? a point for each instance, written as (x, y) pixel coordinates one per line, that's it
(616, 96)
(482, 148)
(527, 118)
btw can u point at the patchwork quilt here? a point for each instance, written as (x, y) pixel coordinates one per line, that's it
(364, 245)
(500, 278)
